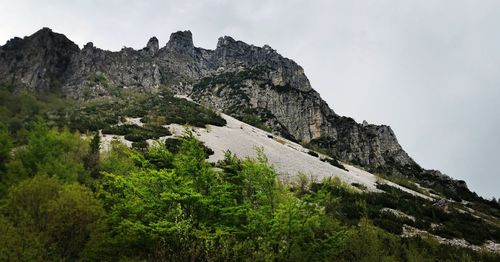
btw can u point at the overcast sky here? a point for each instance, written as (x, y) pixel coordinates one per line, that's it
(429, 69)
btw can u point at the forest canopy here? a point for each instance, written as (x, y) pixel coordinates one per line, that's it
(62, 199)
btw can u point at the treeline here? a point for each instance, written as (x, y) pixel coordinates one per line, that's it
(61, 199)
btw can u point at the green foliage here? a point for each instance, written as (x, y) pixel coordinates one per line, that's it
(312, 153)
(456, 224)
(140, 145)
(6, 145)
(136, 133)
(52, 152)
(405, 182)
(19, 244)
(167, 203)
(19, 110)
(49, 152)
(92, 159)
(100, 78)
(368, 243)
(159, 156)
(154, 109)
(233, 80)
(167, 109)
(118, 160)
(252, 118)
(334, 162)
(49, 219)
(173, 144)
(144, 206)
(56, 86)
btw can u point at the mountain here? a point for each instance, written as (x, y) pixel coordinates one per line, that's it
(245, 81)
(232, 150)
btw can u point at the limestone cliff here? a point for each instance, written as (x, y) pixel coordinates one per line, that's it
(237, 78)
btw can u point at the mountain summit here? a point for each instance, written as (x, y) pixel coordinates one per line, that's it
(242, 80)
(180, 153)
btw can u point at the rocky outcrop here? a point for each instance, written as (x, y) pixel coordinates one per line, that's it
(152, 46)
(235, 77)
(302, 114)
(181, 42)
(38, 62)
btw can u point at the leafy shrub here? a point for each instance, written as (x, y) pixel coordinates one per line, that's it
(405, 182)
(60, 217)
(334, 162)
(173, 144)
(136, 133)
(140, 145)
(312, 153)
(358, 185)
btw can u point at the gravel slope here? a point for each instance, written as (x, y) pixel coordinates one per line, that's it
(288, 158)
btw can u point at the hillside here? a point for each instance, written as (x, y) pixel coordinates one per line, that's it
(228, 146)
(250, 80)
(245, 81)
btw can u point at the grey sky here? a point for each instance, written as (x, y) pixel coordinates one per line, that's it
(429, 69)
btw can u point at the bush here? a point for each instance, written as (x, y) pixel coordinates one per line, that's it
(136, 133)
(173, 144)
(335, 163)
(312, 153)
(140, 145)
(359, 186)
(60, 216)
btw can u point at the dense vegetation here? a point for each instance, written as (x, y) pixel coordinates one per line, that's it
(19, 110)
(173, 205)
(62, 199)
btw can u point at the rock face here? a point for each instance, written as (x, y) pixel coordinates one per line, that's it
(301, 114)
(152, 46)
(237, 78)
(38, 61)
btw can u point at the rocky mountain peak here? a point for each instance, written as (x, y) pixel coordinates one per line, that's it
(45, 37)
(38, 60)
(225, 41)
(88, 45)
(181, 41)
(45, 31)
(228, 43)
(236, 76)
(153, 45)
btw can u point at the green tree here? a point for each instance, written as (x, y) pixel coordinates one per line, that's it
(60, 217)
(19, 244)
(190, 162)
(5, 155)
(52, 152)
(91, 160)
(6, 144)
(159, 156)
(118, 160)
(151, 209)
